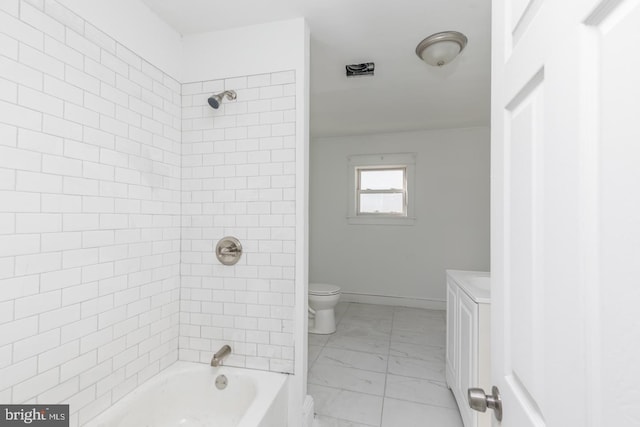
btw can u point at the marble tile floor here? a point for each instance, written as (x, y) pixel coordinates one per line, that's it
(384, 367)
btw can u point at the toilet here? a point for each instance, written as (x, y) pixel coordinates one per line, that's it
(323, 298)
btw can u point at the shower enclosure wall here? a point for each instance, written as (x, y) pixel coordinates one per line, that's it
(238, 179)
(102, 195)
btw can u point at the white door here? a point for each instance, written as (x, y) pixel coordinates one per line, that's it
(565, 245)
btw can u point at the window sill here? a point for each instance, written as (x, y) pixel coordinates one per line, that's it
(380, 220)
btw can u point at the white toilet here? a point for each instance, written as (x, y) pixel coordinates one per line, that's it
(322, 301)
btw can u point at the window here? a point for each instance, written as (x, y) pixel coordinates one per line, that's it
(381, 191)
(381, 188)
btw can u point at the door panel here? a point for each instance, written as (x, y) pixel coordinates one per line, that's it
(525, 284)
(522, 13)
(615, 295)
(565, 240)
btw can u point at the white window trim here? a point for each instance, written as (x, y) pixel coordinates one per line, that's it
(407, 160)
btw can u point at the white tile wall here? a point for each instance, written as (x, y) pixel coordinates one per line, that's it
(238, 179)
(107, 168)
(89, 212)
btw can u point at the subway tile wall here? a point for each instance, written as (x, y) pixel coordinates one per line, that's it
(238, 179)
(90, 181)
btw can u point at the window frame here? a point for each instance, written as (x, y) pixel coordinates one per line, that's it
(360, 191)
(381, 161)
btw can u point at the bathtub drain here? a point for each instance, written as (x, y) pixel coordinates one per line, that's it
(221, 382)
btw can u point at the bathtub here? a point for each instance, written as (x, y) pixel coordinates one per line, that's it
(185, 395)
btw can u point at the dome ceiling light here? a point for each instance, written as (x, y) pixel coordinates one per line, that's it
(441, 48)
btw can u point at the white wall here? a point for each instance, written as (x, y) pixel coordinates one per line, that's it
(409, 262)
(89, 212)
(254, 49)
(131, 23)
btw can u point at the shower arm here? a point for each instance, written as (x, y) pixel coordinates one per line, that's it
(229, 94)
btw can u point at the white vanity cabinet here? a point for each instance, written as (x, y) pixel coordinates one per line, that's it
(468, 340)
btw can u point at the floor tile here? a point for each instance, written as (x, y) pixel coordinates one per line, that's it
(324, 421)
(383, 367)
(347, 405)
(340, 310)
(408, 414)
(419, 312)
(419, 324)
(426, 337)
(419, 390)
(355, 330)
(367, 345)
(367, 323)
(422, 352)
(416, 368)
(419, 316)
(353, 359)
(314, 352)
(317, 339)
(347, 379)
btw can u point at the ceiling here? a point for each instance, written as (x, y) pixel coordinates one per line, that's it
(405, 93)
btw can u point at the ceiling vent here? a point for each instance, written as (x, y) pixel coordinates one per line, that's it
(357, 70)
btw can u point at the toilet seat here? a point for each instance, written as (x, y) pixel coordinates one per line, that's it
(323, 289)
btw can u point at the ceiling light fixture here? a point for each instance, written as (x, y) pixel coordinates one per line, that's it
(441, 48)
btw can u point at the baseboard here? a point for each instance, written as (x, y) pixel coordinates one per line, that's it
(307, 411)
(429, 304)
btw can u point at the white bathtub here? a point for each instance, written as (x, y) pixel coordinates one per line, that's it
(185, 395)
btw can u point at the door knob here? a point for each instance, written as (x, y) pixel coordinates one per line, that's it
(478, 401)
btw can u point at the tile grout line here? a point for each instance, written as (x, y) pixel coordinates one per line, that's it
(386, 374)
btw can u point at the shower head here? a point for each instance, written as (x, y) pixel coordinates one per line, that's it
(216, 100)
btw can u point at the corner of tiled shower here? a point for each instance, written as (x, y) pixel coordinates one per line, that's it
(116, 182)
(238, 179)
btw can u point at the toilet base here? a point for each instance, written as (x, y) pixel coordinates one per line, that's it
(324, 322)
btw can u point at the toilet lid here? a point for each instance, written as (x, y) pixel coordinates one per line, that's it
(323, 289)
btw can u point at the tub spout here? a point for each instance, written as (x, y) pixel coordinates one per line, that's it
(220, 355)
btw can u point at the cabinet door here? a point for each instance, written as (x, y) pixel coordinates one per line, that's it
(451, 351)
(467, 371)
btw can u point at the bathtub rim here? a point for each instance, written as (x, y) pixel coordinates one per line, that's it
(267, 382)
